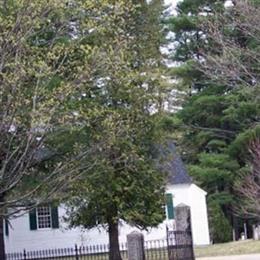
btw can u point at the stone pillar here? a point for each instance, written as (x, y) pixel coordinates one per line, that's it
(135, 246)
(183, 217)
(183, 232)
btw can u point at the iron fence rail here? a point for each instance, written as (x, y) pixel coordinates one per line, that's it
(154, 250)
(180, 245)
(177, 246)
(92, 252)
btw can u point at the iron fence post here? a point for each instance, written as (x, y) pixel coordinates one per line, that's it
(76, 252)
(24, 254)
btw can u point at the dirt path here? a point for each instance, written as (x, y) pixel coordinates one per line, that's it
(233, 257)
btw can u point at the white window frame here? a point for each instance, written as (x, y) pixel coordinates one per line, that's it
(37, 218)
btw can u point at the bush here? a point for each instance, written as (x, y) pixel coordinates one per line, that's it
(220, 228)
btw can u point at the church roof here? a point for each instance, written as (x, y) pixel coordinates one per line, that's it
(171, 163)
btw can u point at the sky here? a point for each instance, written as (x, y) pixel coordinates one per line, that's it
(173, 2)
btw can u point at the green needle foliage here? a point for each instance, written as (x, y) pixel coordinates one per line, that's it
(216, 47)
(117, 114)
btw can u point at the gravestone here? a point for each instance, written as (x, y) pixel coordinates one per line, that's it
(256, 232)
(135, 246)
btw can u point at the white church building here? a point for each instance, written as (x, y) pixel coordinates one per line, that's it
(44, 227)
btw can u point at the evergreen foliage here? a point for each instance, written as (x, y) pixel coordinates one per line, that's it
(221, 111)
(222, 229)
(126, 97)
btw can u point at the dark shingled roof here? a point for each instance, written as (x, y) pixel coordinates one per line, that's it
(171, 163)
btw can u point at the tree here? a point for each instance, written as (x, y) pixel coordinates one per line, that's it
(32, 53)
(247, 186)
(212, 43)
(125, 185)
(202, 140)
(235, 33)
(47, 53)
(221, 229)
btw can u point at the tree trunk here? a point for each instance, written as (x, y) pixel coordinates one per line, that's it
(114, 251)
(2, 239)
(235, 226)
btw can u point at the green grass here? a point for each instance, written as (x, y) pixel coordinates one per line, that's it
(231, 248)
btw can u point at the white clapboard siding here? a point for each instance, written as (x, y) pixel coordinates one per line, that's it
(21, 237)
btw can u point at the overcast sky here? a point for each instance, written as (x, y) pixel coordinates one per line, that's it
(173, 5)
(173, 2)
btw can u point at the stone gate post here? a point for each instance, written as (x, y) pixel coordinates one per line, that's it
(135, 246)
(184, 232)
(182, 217)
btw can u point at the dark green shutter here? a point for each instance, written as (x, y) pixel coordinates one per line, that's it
(169, 203)
(6, 228)
(33, 219)
(54, 217)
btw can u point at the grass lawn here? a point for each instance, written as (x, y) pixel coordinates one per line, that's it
(232, 248)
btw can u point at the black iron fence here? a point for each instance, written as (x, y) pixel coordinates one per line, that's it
(92, 252)
(180, 245)
(154, 250)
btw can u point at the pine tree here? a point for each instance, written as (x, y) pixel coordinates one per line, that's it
(219, 108)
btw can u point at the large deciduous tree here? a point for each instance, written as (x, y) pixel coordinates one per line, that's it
(246, 146)
(48, 52)
(249, 187)
(33, 55)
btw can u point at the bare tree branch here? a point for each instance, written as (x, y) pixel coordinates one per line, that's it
(230, 59)
(248, 187)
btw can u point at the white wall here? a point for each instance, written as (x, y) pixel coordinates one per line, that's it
(194, 197)
(199, 216)
(21, 237)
